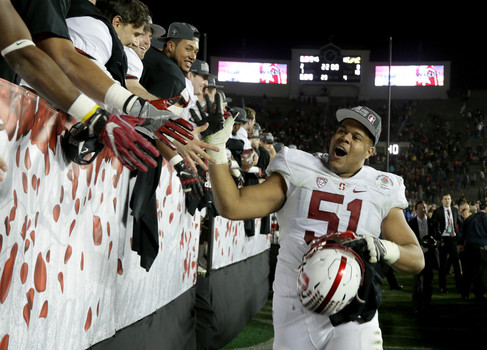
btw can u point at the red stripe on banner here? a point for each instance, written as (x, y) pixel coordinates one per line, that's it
(334, 287)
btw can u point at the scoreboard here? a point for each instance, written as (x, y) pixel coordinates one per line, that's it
(329, 66)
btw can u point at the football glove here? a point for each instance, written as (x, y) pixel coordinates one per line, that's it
(161, 123)
(373, 249)
(219, 139)
(191, 183)
(381, 250)
(189, 180)
(119, 135)
(238, 177)
(213, 114)
(165, 103)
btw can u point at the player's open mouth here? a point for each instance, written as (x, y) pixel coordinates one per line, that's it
(340, 152)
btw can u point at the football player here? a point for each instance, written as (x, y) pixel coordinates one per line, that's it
(323, 194)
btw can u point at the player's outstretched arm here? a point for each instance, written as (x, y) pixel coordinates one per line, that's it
(81, 70)
(248, 202)
(396, 229)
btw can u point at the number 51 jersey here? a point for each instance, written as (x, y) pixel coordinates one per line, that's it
(319, 202)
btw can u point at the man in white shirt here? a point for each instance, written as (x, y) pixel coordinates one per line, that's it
(196, 84)
(135, 52)
(448, 221)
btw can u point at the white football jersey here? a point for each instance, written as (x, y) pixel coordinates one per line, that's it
(91, 36)
(319, 202)
(134, 63)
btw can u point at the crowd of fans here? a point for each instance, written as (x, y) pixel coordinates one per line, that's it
(445, 152)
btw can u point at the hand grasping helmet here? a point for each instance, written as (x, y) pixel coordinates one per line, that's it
(330, 275)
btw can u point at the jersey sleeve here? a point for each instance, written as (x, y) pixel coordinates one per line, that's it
(279, 165)
(398, 195)
(390, 192)
(135, 66)
(44, 17)
(91, 36)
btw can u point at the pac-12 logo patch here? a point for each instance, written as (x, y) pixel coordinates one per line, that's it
(321, 181)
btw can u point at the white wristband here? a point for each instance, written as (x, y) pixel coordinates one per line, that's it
(175, 160)
(219, 156)
(82, 108)
(19, 44)
(219, 139)
(382, 249)
(120, 98)
(392, 252)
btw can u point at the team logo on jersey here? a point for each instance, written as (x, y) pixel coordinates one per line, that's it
(321, 181)
(384, 182)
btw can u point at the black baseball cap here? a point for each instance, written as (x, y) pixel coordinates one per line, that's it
(157, 30)
(239, 114)
(255, 134)
(201, 67)
(212, 83)
(267, 138)
(365, 116)
(181, 30)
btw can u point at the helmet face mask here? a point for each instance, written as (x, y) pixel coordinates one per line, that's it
(329, 277)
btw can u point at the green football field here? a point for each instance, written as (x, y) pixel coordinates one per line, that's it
(451, 323)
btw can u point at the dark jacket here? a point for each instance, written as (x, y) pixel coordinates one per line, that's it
(430, 242)
(161, 76)
(439, 217)
(474, 229)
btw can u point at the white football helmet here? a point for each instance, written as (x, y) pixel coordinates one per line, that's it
(329, 277)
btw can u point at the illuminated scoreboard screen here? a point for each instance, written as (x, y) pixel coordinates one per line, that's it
(410, 75)
(340, 69)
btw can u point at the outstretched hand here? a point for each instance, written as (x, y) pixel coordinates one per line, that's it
(211, 113)
(194, 150)
(156, 120)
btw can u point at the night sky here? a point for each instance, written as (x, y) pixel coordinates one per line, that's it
(419, 33)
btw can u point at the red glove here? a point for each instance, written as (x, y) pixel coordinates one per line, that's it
(154, 117)
(177, 129)
(164, 103)
(192, 185)
(130, 147)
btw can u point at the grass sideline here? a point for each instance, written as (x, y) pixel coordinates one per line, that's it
(452, 322)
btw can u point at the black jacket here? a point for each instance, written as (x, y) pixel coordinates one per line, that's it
(439, 217)
(430, 242)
